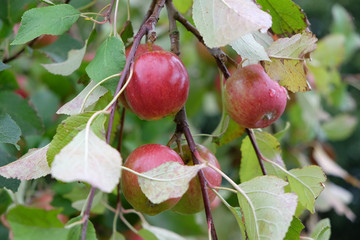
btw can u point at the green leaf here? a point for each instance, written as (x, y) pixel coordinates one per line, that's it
(109, 60)
(67, 67)
(23, 114)
(3, 66)
(173, 181)
(54, 20)
(233, 131)
(294, 230)
(249, 166)
(66, 131)
(330, 59)
(90, 159)
(147, 235)
(266, 209)
(75, 231)
(334, 132)
(36, 224)
(322, 230)
(270, 149)
(5, 201)
(8, 81)
(10, 132)
(287, 17)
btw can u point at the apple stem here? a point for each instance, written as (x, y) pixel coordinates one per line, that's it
(257, 150)
(182, 126)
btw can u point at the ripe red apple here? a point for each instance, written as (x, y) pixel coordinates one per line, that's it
(159, 86)
(142, 48)
(252, 98)
(192, 201)
(143, 159)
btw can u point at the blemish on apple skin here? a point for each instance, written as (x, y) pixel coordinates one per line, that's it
(272, 92)
(269, 116)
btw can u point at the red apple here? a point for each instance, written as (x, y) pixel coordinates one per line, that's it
(143, 159)
(159, 86)
(142, 48)
(192, 201)
(252, 98)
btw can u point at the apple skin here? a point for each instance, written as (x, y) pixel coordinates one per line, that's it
(192, 201)
(252, 98)
(159, 86)
(142, 48)
(143, 159)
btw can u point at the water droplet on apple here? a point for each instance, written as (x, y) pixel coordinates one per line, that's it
(269, 116)
(272, 92)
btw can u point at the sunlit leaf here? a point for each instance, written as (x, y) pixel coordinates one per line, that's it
(267, 210)
(183, 5)
(248, 48)
(10, 132)
(307, 183)
(322, 230)
(221, 22)
(90, 160)
(66, 131)
(30, 166)
(287, 64)
(54, 20)
(294, 230)
(67, 67)
(74, 106)
(288, 18)
(175, 181)
(162, 234)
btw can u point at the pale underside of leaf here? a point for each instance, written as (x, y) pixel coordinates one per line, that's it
(98, 164)
(248, 48)
(162, 234)
(173, 181)
(266, 208)
(67, 67)
(30, 166)
(74, 106)
(221, 22)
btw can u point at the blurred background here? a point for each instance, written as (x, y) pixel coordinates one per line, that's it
(324, 124)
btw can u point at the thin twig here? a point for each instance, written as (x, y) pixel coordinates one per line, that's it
(183, 126)
(257, 150)
(87, 213)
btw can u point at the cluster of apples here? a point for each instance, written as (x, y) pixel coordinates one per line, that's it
(159, 87)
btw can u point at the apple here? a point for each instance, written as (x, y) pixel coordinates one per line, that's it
(192, 200)
(159, 86)
(252, 98)
(143, 159)
(142, 48)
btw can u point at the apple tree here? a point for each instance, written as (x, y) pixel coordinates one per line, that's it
(170, 119)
